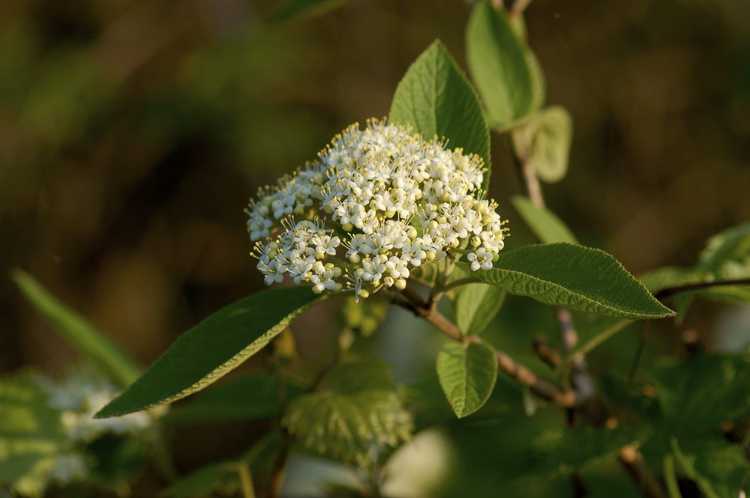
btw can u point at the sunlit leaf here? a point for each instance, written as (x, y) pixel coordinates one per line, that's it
(543, 141)
(543, 222)
(467, 374)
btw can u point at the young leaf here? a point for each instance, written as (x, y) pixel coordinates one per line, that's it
(544, 141)
(577, 277)
(436, 99)
(213, 348)
(543, 222)
(292, 9)
(476, 306)
(467, 375)
(78, 332)
(350, 416)
(499, 65)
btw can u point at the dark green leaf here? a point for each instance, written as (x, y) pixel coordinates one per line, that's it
(467, 374)
(498, 63)
(719, 469)
(543, 141)
(78, 332)
(205, 481)
(577, 277)
(476, 307)
(248, 397)
(435, 98)
(213, 348)
(543, 222)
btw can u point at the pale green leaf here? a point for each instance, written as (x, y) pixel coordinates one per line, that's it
(499, 65)
(543, 222)
(435, 98)
(78, 332)
(543, 141)
(476, 307)
(346, 419)
(213, 348)
(467, 374)
(577, 277)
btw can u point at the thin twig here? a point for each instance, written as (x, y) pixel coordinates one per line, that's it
(518, 7)
(679, 289)
(540, 387)
(632, 461)
(547, 354)
(246, 480)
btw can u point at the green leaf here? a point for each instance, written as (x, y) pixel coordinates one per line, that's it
(543, 222)
(435, 98)
(719, 469)
(544, 141)
(538, 83)
(577, 277)
(249, 397)
(294, 9)
(77, 331)
(499, 64)
(346, 419)
(205, 481)
(213, 348)
(476, 307)
(467, 374)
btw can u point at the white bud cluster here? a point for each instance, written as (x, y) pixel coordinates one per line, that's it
(376, 204)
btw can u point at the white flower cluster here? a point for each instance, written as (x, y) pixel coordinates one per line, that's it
(376, 204)
(79, 397)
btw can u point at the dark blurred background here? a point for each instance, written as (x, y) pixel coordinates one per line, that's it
(133, 132)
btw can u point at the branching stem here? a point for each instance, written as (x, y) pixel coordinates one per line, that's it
(679, 289)
(632, 461)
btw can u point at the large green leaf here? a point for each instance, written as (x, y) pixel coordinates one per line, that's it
(78, 332)
(543, 141)
(476, 307)
(467, 374)
(435, 98)
(499, 64)
(356, 410)
(577, 277)
(543, 222)
(213, 348)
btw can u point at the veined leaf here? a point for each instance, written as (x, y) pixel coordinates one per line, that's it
(543, 222)
(347, 418)
(577, 277)
(467, 374)
(78, 332)
(476, 306)
(435, 98)
(213, 348)
(499, 65)
(543, 141)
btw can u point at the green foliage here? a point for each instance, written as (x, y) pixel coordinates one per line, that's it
(78, 332)
(354, 416)
(544, 223)
(543, 141)
(213, 348)
(718, 468)
(30, 430)
(467, 374)
(435, 98)
(498, 63)
(294, 9)
(249, 397)
(577, 277)
(476, 307)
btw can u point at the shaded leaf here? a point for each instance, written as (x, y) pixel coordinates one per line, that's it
(467, 374)
(205, 481)
(435, 98)
(543, 141)
(294, 9)
(498, 63)
(78, 332)
(476, 307)
(213, 348)
(543, 222)
(577, 277)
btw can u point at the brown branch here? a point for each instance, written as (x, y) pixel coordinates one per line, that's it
(632, 461)
(547, 354)
(540, 387)
(679, 289)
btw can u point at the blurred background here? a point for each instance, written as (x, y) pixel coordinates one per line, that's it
(132, 134)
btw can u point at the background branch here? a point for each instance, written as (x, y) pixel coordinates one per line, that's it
(632, 461)
(679, 289)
